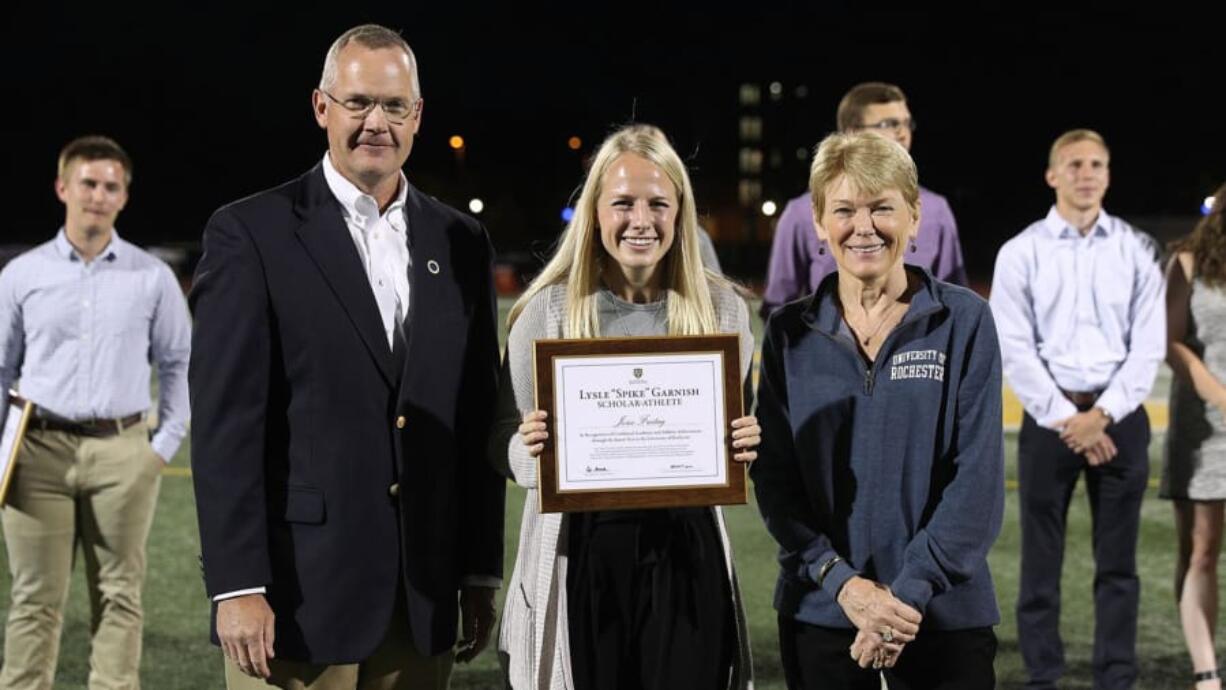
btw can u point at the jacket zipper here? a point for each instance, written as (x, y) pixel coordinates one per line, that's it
(870, 373)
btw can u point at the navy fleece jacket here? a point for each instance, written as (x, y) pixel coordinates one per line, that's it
(897, 467)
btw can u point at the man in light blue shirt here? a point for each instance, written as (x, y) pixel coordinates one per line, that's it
(82, 318)
(1079, 304)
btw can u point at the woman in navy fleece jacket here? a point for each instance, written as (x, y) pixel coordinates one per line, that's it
(881, 469)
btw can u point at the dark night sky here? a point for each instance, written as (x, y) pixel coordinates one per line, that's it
(213, 103)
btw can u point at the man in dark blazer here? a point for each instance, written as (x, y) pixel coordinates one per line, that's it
(342, 388)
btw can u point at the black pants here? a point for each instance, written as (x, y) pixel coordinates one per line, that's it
(649, 604)
(817, 658)
(1047, 473)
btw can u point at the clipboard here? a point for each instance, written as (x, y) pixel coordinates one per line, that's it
(15, 422)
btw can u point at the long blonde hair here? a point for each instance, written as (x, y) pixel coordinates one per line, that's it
(578, 259)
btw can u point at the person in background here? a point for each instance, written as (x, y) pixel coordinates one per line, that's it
(84, 319)
(1078, 300)
(799, 260)
(1194, 459)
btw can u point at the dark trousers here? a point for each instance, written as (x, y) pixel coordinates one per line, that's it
(649, 603)
(819, 658)
(1047, 473)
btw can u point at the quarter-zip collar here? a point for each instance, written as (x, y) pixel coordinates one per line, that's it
(823, 312)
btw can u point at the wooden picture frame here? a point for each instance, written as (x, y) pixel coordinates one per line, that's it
(19, 412)
(636, 355)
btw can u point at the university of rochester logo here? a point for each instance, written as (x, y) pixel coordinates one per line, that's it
(638, 373)
(918, 364)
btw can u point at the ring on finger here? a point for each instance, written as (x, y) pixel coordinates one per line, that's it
(888, 634)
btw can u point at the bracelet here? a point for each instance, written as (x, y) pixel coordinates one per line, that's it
(826, 568)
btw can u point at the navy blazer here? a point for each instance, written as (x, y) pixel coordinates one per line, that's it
(297, 436)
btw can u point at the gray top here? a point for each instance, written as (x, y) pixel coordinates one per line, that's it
(1195, 459)
(619, 318)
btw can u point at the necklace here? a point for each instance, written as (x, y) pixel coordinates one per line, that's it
(885, 316)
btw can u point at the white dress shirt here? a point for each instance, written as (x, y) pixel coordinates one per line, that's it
(382, 243)
(1079, 313)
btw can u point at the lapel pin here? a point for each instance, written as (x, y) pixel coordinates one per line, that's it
(432, 266)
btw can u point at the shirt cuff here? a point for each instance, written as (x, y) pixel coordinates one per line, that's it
(1060, 410)
(1115, 405)
(240, 593)
(164, 447)
(481, 581)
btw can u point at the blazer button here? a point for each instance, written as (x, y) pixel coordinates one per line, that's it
(394, 490)
(401, 421)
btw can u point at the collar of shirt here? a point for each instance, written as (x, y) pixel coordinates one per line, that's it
(356, 204)
(65, 249)
(1059, 228)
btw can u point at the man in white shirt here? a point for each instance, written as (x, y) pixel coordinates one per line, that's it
(1078, 300)
(351, 528)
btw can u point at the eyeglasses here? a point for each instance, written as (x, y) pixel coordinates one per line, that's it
(891, 124)
(396, 110)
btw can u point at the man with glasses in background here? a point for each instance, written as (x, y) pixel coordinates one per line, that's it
(799, 261)
(343, 387)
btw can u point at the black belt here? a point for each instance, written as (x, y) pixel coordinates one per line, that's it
(1084, 400)
(98, 428)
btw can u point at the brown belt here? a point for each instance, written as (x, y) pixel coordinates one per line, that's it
(1082, 399)
(97, 428)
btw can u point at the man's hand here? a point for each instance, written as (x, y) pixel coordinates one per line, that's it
(245, 627)
(477, 617)
(1083, 430)
(1102, 452)
(872, 607)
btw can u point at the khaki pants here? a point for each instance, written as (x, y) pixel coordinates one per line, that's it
(395, 665)
(100, 492)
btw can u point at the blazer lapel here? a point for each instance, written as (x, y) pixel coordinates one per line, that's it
(327, 240)
(424, 251)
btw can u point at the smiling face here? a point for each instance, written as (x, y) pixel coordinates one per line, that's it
(637, 214)
(1080, 174)
(867, 234)
(369, 149)
(93, 192)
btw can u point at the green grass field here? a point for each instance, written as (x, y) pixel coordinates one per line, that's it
(178, 655)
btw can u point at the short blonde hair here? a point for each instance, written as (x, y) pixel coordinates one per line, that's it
(578, 259)
(872, 163)
(1074, 136)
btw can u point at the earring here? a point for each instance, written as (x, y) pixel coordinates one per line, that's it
(821, 249)
(914, 248)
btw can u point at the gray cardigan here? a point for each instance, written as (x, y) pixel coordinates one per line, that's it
(533, 640)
